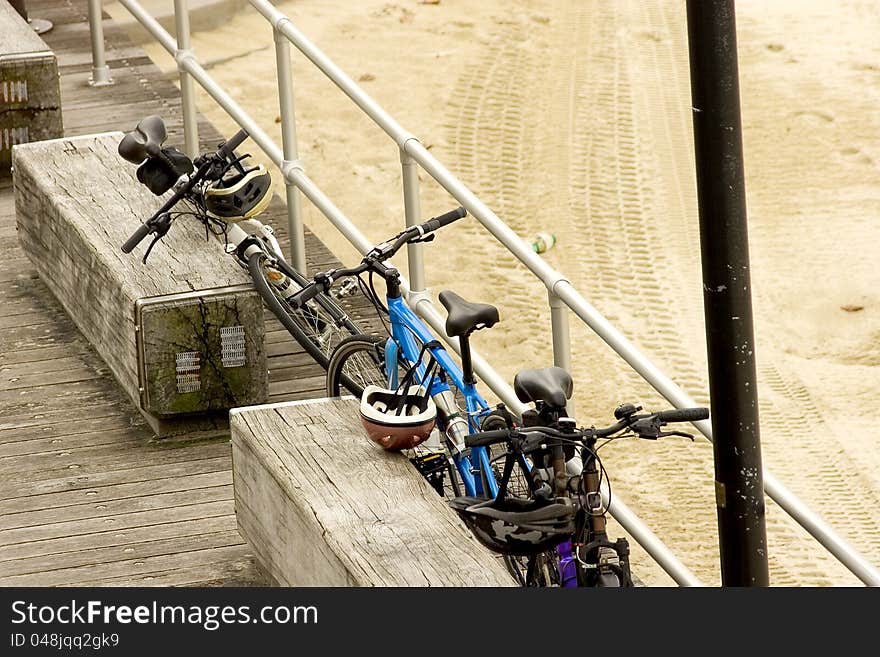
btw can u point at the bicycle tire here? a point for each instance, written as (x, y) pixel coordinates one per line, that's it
(357, 361)
(538, 570)
(319, 326)
(608, 581)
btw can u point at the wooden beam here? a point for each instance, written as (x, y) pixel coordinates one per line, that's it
(322, 505)
(77, 201)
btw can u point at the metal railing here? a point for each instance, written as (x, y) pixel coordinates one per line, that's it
(562, 296)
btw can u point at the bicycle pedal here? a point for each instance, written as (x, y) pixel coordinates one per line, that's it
(429, 463)
(432, 467)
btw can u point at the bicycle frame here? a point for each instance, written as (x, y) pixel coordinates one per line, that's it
(408, 333)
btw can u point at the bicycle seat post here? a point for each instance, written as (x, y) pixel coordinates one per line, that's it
(467, 366)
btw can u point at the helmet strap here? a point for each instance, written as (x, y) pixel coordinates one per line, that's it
(410, 376)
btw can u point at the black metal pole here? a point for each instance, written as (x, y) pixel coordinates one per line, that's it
(739, 481)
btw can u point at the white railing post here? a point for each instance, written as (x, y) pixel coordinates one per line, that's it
(187, 89)
(100, 70)
(413, 211)
(559, 329)
(291, 152)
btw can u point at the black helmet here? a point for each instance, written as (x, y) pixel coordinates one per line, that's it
(239, 195)
(515, 525)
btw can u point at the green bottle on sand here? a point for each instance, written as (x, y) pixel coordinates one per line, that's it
(543, 242)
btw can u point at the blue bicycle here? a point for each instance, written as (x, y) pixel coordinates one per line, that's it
(411, 353)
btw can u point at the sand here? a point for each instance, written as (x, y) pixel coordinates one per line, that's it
(574, 117)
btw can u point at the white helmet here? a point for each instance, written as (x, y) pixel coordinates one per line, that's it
(238, 196)
(397, 420)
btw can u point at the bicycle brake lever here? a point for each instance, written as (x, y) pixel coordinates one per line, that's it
(647, 428)
(664, 434)
(150, 248)
(160, 228)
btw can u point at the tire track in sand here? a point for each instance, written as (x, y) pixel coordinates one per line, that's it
(668, 484)
(609, 104)
(658, 64)
(575, 132)
(496, 111)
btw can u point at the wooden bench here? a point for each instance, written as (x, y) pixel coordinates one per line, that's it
(30, 95)
(183, 334)
(323, 506)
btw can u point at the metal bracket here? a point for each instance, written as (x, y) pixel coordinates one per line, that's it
(554, 293)
(101, 77)
(403, 152)
(720, 495)
(288, 167)
(182, 56)
(406, 158)
(414, 298)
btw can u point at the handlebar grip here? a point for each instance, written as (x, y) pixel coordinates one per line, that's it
(232, 143)
(684, 415)
(136, 237)
(305, 295)
(485, 438)
(444, 219)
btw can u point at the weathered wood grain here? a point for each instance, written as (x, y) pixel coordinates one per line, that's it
(56, 566)
(14, 556)
(84, 483)
(145, 501)
(69, 528)
(321, 505)
(114, 492)
(137, 571)
(76, 202)
(18, 37)
(98, 463)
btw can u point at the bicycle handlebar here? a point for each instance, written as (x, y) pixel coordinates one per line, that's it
(422, 230)
(142, 231)
(684, 415)
(485, 438)
(374, 259)
(306, 294)
(224, 152)
(444, 219)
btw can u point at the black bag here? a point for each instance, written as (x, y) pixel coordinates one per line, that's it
(160, 173)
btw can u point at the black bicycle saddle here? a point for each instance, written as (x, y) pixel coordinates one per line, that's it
(144, 141)
(465, 316)
(552, 385)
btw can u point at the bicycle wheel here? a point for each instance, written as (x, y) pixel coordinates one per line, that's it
(608, 580)
(357, 361)
(319, 326)
(539, 570)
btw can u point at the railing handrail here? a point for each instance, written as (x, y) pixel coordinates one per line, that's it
(559, 287)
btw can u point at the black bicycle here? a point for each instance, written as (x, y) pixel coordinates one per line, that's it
(549, 516)
(225, 194)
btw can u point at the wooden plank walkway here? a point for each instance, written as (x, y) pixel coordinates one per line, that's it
(87, 496)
